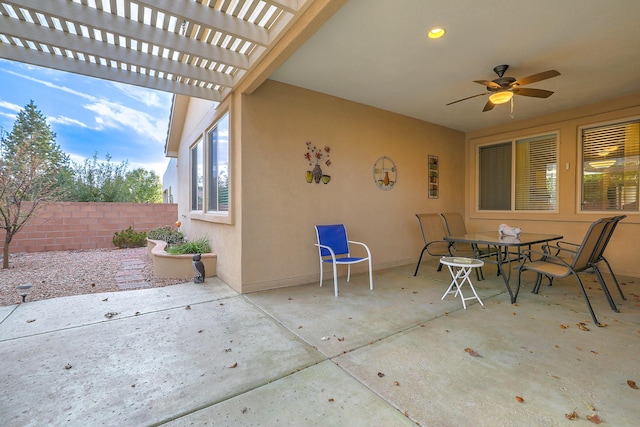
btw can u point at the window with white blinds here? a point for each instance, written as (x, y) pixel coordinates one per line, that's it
(610, 166)
(518, 175)
(536, 173)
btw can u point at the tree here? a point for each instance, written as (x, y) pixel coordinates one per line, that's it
(144, 186)
(32, 166)
(96, 181)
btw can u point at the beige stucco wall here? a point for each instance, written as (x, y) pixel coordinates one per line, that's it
(279, 208)
(223, 233)
(568, 220)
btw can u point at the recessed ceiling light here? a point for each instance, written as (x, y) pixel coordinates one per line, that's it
(436, 33)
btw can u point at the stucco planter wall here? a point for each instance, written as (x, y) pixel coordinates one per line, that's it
(177, 266)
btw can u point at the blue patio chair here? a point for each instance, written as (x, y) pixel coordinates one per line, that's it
(333, 248)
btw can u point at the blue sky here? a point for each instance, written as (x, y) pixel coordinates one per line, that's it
(88, 115)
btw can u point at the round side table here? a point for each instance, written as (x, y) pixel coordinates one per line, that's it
(460, 269)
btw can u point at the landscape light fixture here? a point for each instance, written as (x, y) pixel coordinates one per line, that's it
(501, 97)
(24, 290)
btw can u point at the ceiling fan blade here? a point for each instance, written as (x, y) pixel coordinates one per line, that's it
(536, 93)
(488, 83)
(468, 97)
(488, 106)
(535, 78)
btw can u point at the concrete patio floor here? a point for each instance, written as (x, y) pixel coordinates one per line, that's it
(192, 354)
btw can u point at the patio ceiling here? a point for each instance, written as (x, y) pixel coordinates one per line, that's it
(199, 48)
(374, 52)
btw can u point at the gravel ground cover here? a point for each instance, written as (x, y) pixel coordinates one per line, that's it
(66, 273)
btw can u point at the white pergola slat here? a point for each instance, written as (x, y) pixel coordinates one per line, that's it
(199, 48)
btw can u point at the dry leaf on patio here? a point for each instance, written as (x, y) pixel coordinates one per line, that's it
(380, 374)
(572, 416)
(519, 399)
(331, 399)
(396, 383)
(582, 327)
(595, 418)
(235, 365)
(188, 307)
(31, 320)
(67, 366)
(472, 352)
(341, 339)
(564, 326)
(632, 384)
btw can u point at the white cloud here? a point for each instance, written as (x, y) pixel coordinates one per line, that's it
(113, 115)
(158, 167)
(54, 86)
(66, 121)
(148, 97)
(10, 106)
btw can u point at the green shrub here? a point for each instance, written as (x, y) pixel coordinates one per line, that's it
(167, 234)
(198, 246)
(129, 238)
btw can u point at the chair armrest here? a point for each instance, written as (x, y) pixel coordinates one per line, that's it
(449, 245)
(544, 257)
(363, 245)
(573, 247)
(333, 255)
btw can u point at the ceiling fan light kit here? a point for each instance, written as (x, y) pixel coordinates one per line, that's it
(502, 89)
(501, 97)
(436, 33)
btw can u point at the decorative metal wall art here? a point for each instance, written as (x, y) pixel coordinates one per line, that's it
(317, 157)
(385, 173)
(434, 177)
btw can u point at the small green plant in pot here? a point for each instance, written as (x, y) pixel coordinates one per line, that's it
(197, 246)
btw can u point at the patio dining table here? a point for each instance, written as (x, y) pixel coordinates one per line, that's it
(507, 250)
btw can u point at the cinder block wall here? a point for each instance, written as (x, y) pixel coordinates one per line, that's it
(71, 225)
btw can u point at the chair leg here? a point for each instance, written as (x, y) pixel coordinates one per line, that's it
(348, 272)
(615, 280)
(335, 279)
(605, 289)
(370, 276)
(586, 298)
(321, 271)
(536, 287)
(420, 260)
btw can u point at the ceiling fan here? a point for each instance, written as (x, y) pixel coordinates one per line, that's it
(502, 89)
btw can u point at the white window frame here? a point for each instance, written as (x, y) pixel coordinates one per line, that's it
(215, 139)
(513, 176)
(207, 214)
(196, 173)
